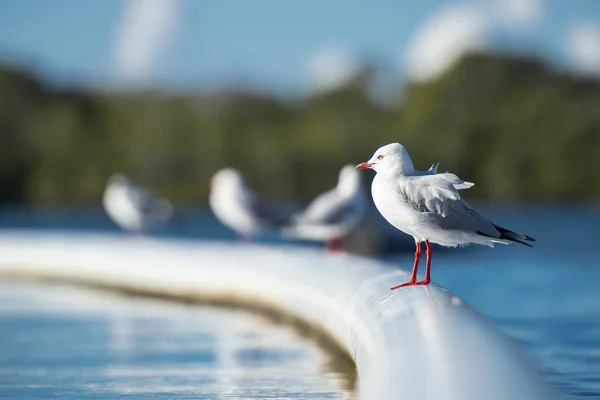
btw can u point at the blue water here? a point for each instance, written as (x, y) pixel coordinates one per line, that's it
(546, 298)
(59, 342)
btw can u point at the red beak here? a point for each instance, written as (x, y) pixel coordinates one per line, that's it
(363, 165)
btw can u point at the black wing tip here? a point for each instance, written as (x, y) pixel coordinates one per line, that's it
(519, 241)
(514, 236)
(509, 238)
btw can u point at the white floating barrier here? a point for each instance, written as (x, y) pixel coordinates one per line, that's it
(413, 343)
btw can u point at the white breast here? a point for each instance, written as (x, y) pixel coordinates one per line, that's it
(121, 209)
(231, 208)
(392, 206)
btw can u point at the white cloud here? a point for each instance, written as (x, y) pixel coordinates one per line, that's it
(460, 28)
(444, 37)
(331, 67)
(583, 46)
(147, 28)
(518, 14)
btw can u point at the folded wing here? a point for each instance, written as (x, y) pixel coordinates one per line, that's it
(327, 208)
(150, 205)
(433, 193)
(436, 197)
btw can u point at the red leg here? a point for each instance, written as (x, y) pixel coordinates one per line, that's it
(427, 266)
(413, 277)
(334, 246)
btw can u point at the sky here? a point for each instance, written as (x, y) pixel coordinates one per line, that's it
(290, 47)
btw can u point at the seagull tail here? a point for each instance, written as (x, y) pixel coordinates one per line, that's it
(514, 236)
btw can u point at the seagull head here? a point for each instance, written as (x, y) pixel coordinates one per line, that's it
(227, 177)
(391, 159)
(118, 180)
(348, 181)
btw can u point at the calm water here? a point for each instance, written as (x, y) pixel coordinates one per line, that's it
(66, 343)
(547, 298)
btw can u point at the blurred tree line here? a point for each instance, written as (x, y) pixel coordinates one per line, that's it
(516, 127)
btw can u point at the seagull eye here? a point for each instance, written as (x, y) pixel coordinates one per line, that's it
(379, 157)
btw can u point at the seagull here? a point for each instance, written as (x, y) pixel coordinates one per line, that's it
(133, 208)
(333, 214)
(238, 207)
(427, 206)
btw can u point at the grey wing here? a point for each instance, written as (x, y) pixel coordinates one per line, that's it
(463, 217)
(149, 204)
(340, 214)
(328, 209)
(143, 199)
(437, 198)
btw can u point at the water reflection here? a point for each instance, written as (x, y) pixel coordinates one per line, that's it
(62, 342)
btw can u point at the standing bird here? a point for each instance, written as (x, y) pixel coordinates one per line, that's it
(133, 208)
(333, 214)
(427, 206)
(238, 207)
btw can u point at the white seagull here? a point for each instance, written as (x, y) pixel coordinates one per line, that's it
(333, 214)
(427, 206)
(238, 207)
(133, 208)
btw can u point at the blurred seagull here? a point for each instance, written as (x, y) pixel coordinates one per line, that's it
(133, 208)
(238, 207)
(427, 206)
(333, 214)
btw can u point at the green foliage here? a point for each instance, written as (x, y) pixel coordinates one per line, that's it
(513, 126)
